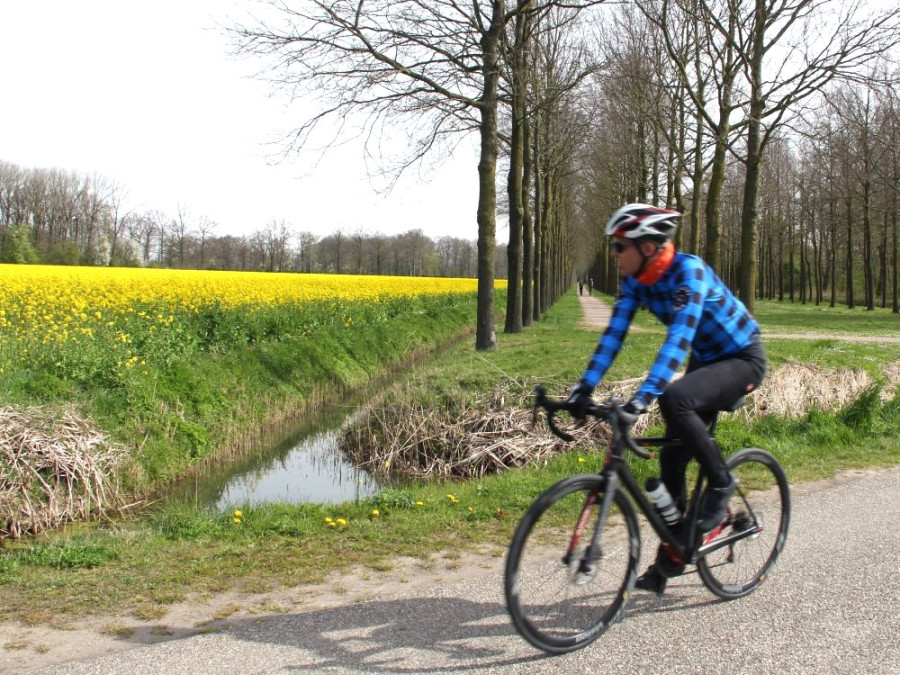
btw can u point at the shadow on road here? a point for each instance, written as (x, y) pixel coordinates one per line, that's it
(397, 636)
(419, 635)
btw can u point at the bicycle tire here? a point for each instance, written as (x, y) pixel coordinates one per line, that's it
(762, 499)
(555, 606)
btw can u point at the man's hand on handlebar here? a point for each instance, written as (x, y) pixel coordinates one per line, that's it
(580, 400)
(629, 412)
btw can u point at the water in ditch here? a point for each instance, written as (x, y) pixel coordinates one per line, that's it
(300, 465)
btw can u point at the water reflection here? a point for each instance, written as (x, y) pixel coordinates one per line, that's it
(304, 466)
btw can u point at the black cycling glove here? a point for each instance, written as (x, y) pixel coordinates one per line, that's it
(580, 399)
(629, 412)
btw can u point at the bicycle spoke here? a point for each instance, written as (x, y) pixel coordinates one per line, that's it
(759, 518)
(559, 607)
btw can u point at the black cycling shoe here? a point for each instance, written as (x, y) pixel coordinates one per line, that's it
(651, 580)
(715, 505)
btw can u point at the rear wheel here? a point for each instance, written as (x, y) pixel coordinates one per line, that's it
(560, 594)
(758, 517)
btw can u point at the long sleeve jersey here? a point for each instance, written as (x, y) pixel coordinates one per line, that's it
(700, 312)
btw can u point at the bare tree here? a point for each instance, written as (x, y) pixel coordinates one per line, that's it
(434, 66)
(712, 63)
(180, 231)
(119, 219)
(205, 227)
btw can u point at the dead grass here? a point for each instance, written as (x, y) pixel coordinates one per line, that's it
(406, 439)
(54, 468)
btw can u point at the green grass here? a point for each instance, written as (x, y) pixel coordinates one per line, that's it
(166, 555)
(234, 377)
(787, 317)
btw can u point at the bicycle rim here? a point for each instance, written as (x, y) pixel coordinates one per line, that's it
(759, 509)
(560, 603)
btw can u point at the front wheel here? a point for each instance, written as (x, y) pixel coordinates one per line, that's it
(561, 594)
(758, 517)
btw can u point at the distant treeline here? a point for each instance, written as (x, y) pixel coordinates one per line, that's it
(61, 217)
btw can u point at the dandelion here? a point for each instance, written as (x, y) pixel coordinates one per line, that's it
(581, 460)
(420, 503)
(452, 499)
(341, 522)
(375, 513)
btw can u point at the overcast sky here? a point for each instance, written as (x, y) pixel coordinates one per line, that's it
(145, 94)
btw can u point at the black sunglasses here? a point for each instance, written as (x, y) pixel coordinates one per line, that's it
(619, 246)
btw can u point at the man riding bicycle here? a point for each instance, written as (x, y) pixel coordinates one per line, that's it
(727, 358)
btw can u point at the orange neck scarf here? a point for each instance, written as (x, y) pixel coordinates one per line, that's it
(654, 271)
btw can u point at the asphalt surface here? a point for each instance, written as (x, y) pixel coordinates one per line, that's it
(832, 605)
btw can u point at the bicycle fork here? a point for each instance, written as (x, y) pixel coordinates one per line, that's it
(592, 553)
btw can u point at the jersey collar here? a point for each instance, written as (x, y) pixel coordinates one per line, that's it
(658, 267)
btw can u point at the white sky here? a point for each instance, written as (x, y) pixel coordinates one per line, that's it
(145, 94)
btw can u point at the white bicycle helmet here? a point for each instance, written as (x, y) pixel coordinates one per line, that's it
(636, 221)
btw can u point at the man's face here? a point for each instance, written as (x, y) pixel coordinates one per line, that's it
(627, 256)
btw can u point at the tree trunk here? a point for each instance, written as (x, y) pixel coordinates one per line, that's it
(713, 200)
(851, 303)
(514, 182)
(749, 215)
(485, 337)
(538, 222)
(527, 227)
(868, 262)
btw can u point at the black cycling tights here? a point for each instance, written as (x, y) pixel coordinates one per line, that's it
(689, 404)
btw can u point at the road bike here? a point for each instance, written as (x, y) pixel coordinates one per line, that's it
(574, 557)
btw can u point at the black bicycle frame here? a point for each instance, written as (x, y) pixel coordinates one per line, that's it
(616, 471)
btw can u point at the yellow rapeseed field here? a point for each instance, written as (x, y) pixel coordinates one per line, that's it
(42, 306)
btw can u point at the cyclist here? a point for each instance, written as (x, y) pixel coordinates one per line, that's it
(727, 359)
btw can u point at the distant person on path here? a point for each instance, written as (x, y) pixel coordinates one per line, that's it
(591, 289)
(580, 287)
(727, 359)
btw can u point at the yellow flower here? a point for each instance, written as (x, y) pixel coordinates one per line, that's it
(420, 503)
(375, 512)
(237, 521)
(581, 460)
(238, 514)
(452, 499)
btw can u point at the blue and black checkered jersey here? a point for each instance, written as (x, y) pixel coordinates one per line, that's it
(701, 314)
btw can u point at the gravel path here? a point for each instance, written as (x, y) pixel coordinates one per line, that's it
(597, 313)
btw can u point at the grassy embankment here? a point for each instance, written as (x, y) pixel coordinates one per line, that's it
(181, 366)
(141, 565)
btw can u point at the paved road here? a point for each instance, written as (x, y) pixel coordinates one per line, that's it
(832, 606)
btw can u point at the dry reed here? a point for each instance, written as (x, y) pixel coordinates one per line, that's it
(54, 468)
(406, 439)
